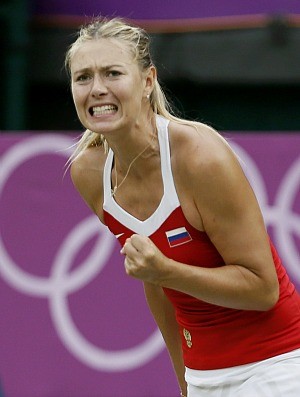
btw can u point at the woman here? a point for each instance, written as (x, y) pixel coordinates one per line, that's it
(173, 193)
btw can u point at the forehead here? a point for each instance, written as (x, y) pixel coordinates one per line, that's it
(102, 52)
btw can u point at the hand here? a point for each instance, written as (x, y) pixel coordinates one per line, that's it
(143, 260)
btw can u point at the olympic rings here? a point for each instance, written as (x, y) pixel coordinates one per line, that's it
(61, 282)
(281, 215)
(286, 222)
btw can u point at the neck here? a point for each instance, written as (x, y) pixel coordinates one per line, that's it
(136, 144)
(134, 160)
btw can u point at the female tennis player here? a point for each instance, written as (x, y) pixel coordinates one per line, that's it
(173, 192)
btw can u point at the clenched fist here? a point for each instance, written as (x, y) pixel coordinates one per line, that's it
(143, 260)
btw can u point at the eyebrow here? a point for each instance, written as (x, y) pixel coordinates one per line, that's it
(103, 68)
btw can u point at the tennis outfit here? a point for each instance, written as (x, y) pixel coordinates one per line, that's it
(222, 348)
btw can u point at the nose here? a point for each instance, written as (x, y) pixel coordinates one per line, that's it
(99, 88)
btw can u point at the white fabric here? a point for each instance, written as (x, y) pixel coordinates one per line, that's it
(169, 201)
(275, 377)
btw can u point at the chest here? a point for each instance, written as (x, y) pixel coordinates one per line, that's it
(140, 197)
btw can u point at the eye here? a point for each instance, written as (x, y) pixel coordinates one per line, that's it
(82, 78)
(113, 73)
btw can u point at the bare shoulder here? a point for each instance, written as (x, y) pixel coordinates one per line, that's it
(88, 161)
(201, 161)
(87, 173)
(199, 150)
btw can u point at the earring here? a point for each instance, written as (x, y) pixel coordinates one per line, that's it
(148, 96)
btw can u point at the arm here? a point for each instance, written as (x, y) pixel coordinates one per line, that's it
(233, 221)
(86, 174)
(163, 313)
(225, 203)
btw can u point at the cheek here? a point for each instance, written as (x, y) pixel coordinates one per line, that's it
(78, 97)
(131, 93)
(79, 105)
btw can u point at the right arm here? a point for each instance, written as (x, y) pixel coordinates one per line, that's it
(164, 315)
(86, 174)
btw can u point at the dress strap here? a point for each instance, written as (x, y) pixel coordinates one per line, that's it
(169, 201)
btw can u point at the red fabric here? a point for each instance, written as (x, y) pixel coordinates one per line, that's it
(220, 337)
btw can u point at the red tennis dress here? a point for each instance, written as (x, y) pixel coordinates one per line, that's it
(213, 337)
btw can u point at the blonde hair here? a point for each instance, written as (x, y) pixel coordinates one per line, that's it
(138, 42)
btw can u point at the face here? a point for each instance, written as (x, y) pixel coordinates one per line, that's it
(108, 88)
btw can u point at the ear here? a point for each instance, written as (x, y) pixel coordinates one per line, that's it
(150, 78)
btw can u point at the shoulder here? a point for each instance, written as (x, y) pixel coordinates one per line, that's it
(87, 173)
(209, 173)
(200, 151)
(90, 159)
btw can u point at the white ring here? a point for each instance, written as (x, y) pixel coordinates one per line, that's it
(60, 283)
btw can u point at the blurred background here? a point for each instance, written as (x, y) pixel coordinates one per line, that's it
(233, 64)
(71, 323)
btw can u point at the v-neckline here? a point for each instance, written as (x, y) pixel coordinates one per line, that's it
(169, 200)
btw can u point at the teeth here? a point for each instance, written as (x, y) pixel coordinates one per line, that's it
(106, 109)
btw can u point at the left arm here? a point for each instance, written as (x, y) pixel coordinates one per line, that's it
(233, 221)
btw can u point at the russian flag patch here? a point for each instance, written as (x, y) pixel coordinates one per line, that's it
(178, 236)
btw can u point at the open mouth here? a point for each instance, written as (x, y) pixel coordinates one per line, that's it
(98, 111)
